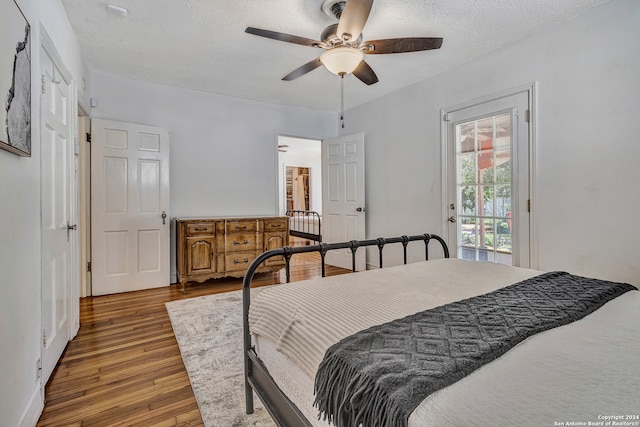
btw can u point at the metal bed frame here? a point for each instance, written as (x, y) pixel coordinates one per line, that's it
(257, 378)
(303, 224)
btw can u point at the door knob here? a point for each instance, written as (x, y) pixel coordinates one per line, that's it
(361, 210)
(70, 228)
(452, 219)
(164, 217)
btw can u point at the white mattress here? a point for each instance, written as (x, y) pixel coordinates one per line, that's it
(577, 372)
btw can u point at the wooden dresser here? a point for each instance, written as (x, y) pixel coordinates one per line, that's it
(210, 248)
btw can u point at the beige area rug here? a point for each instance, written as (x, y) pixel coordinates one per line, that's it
(209, 334)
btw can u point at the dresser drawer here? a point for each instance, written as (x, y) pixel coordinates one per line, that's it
(199, 229)
(276, 224)
(237, 242)
(239, 261)
(239, 226)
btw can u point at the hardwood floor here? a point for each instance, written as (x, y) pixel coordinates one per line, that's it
(124, 366)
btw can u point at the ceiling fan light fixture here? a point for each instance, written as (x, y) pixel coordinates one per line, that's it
(342, 60)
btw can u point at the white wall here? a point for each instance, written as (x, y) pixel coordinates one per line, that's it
(223, 149)
(20, 304)
(586, 199)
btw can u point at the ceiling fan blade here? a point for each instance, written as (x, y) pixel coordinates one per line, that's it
(408, 44)
(309, 66)
(365, 73)
(353, 18)
(284, 37)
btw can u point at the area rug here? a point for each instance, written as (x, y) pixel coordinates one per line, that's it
(209, 333)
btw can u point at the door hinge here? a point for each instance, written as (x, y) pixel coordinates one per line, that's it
(446, 117)
(88, 137)
(527, 116)
(89, 267)
(529, 205)
(44, 84)
(39, 368)
(44, 338)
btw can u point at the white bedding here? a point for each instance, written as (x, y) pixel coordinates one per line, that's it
(578, 372)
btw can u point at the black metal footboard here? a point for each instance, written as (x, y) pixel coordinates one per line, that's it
(257, 377)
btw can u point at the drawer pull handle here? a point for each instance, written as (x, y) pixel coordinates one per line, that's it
(276, 225)
(235, 242)
(244, 227)
(200, 228)
(245, 261)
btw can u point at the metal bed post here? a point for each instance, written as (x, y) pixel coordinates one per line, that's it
(380, 247)
(287, 261)
(323, 252)
(354, 248)
(405, 243)
(426, 245)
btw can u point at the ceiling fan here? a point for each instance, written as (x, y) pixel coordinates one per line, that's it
(344, 49)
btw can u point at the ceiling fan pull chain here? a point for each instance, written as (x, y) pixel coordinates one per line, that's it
(342, 99)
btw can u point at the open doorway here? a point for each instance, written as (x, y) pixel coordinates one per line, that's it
(300, 187)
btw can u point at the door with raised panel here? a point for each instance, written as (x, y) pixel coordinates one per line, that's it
(57, 228)
(129, 207)
(343, 197)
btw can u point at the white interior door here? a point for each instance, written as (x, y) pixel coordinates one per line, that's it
(343, 197)
(58, 232)
(488, 175)
(129, 207)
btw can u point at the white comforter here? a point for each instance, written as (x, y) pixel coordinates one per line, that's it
(579, 372)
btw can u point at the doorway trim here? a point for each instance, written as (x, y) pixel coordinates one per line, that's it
(84, 201)
(531, 90)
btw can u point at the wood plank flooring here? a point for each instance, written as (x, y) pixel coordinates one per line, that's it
(124, 366)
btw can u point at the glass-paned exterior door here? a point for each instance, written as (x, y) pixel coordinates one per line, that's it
(487, 176)
(483, 185)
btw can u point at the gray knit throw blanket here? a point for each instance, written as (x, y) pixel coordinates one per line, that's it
(378, 376)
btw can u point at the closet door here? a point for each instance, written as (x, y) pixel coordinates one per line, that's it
(59, 299)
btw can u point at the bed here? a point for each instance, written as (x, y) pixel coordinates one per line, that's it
(584, 371)
(305, 224)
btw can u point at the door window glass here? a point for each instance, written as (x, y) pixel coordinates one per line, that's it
(483, 185)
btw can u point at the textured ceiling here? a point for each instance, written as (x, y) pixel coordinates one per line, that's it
(201, 44)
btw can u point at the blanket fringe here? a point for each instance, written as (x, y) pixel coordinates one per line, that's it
(348, 398)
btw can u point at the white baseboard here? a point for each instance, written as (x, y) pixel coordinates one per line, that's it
(34, 410)
(173, 278)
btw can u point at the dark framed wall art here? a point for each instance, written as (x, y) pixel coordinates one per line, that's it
(15, 80)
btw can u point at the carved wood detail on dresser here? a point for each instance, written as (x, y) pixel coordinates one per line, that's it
(210, 248)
